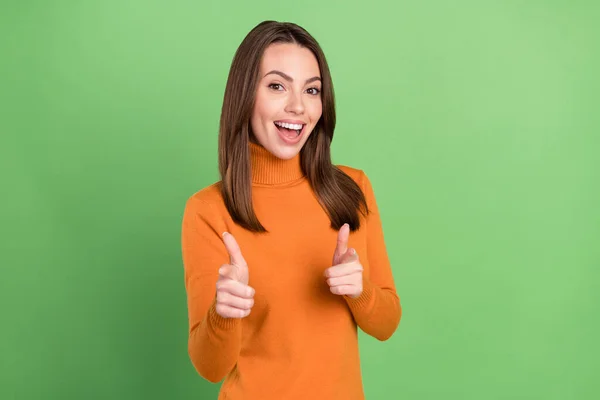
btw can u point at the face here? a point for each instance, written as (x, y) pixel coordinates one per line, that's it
(288, 99)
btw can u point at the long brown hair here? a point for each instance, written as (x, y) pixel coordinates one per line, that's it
(341, 198)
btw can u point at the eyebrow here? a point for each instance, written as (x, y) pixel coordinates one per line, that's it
(289, 78)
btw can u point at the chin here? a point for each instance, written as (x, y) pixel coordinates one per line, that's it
(285, 152)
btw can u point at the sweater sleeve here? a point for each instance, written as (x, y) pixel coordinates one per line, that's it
(214, 342)
(377, 311)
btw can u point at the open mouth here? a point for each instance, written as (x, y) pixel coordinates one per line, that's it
(289, 130)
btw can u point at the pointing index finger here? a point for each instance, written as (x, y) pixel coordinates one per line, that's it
(235, 254)
(342, 240)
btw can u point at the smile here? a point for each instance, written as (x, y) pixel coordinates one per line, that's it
(290, 132)
(297, 128)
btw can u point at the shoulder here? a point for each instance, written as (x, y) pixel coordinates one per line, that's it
(206, 210)
(206, 199)
(364, 183)
(358, 175)
(209, 194)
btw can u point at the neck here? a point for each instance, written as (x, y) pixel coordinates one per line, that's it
(270, 170)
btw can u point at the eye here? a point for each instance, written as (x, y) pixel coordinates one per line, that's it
(276, 86)
(314, 91)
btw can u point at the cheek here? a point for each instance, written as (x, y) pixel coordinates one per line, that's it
(265, 108)
(257, 111)
(255, 121)
(315, 111)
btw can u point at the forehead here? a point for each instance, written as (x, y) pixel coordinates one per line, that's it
(291, 59)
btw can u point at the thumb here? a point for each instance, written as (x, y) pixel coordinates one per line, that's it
(349, 256)
(232, 271)
(342, 241)
(237, 269)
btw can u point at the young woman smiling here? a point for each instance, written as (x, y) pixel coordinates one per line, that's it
(285, 256)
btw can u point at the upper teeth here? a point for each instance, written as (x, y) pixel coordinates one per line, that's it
(289, 126)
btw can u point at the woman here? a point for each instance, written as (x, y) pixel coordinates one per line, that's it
(293, 244)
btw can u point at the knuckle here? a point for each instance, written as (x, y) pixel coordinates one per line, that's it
(221, 310)
(234, 288)
(248, 292)
(243, 304)
(222, 297)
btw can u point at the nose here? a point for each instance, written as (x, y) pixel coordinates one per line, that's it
(295, 103)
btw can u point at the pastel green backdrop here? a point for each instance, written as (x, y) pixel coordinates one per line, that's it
(477, 122)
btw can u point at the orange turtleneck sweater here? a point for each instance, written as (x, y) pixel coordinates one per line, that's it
(300, 340)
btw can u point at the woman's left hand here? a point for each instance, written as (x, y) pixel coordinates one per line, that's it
(345, 277)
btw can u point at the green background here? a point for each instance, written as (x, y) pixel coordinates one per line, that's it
(477, 122)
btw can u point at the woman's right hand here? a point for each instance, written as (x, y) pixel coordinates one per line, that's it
(234, 297)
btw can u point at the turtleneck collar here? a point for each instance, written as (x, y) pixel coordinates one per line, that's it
(270, 170)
